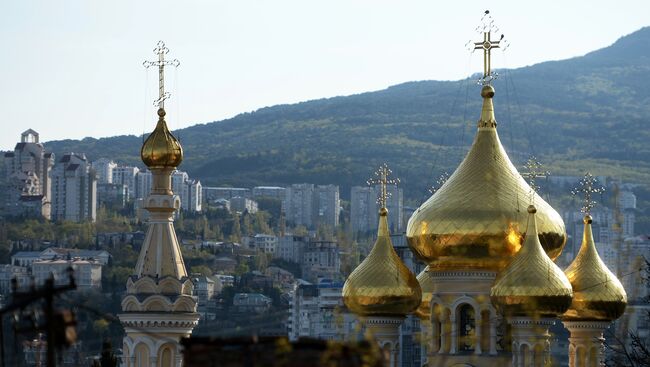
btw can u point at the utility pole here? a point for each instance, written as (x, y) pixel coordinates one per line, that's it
(55, 322)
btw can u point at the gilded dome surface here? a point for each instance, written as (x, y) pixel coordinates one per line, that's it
(426, 284)
(161, 149)
(597, 293)
(477, 219)
(382, 285)
(531, 284)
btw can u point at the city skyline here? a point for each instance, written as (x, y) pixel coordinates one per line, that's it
(94, 52)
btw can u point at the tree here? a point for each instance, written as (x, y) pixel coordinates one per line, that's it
(201, 269)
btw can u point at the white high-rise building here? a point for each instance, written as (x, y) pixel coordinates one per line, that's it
(188, 190)
(104, 168)
(310, 205)
(328, 205)
(74, 189)
(143, 184)
(126, 176)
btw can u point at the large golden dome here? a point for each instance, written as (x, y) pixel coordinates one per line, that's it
(427, 285)
(161, 149)
(476, 220)
(531, 284)
(597, 293)
(382, 285)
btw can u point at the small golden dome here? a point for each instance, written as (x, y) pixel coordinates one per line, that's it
(426, 284)
(161, 149)
(382, 285)
(597, 293)
(474, 220)
(532, 285)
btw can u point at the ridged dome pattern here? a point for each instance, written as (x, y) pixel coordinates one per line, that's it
(382, 285)
(477, 219)
(161, 149)
(532, 285)
(597, 293)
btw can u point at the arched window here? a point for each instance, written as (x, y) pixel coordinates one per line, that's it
(467, 328)
(141, 355)
(166, 357)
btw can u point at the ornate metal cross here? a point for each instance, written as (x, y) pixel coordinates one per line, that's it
(487, 27)
(439, 182)
(587, 186)
(381, 179)
(161, 50)
(533, 172)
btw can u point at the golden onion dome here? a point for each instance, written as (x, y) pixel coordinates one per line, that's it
(161, 149)
(475, 221)
(532, 284)
(382, 285)
(597, 293)
(426, 284)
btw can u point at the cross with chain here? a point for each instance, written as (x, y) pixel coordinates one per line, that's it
(588, 185)
(533, 172)
(161, 50)
(439, 182)
(486, 27)
(381, 179)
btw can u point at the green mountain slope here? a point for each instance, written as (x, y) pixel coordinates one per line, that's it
(590, 112)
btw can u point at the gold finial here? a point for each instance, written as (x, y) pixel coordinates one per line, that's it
(534, 171)
(161, 50)
(444, 176)
(588, 185)
(486, 27)
(381, 179)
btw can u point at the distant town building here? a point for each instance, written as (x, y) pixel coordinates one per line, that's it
(321, 259)
(188, 190)
(275, 192)
(87, 273)
(27, 170)
(291, 247)
(251, 302)
(265, 243)
(126, 175)
(211, 193)
(240, 204)
(9, 272)
(143, 184)
(317, 311)
(112, 195)
(310, 206)
(104, 168)
(364, 209)
(74, 189)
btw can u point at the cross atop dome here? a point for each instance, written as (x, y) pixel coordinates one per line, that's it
(381, 179)
(486, 27)
(161, 50)
(533, 172)
(588, 185)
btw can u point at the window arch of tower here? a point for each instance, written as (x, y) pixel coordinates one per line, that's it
(166, 355)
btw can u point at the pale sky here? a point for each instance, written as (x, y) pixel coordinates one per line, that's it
(71, 69)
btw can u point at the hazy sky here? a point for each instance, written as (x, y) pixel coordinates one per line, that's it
(71, 69)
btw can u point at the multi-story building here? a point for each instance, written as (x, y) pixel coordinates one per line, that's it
(87, 273)
(111, 194)
(104, 168)
(126, 175)
(291, 247)
(28, 168)
(265, 243)
(251, 302)
(74, 189)
(188, 190)
(321, 259)
(9, 272)
(143, 184)
(240, 204)
(364, 209)
(269, 192)
(327, 205)
(311, 206)
(317, 311)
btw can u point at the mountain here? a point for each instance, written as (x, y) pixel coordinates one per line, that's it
(585, 113)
